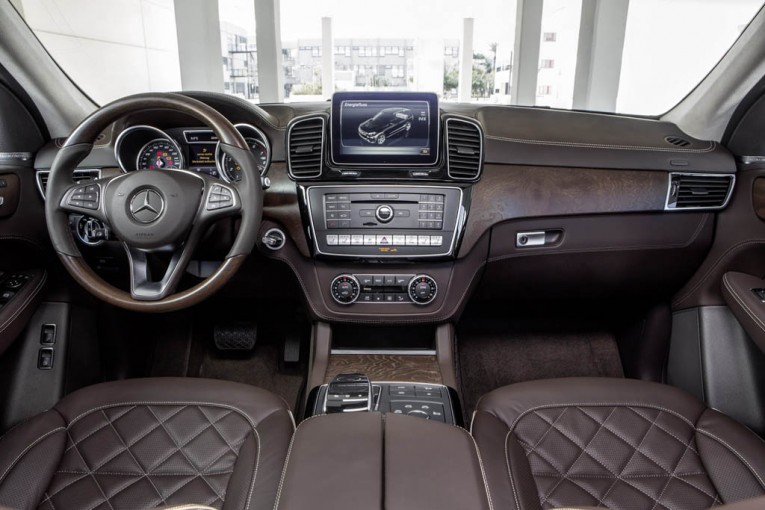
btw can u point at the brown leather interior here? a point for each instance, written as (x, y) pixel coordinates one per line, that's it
(616, 443)
(147, 443)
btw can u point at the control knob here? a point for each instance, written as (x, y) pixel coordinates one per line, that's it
(345, 289)
(384, 213)
(422, 289)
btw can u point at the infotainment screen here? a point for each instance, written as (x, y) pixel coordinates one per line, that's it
(385, 128)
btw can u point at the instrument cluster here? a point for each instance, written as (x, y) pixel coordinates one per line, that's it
(145, 147)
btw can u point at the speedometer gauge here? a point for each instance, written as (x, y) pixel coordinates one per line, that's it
(159, 154)
(231, 169)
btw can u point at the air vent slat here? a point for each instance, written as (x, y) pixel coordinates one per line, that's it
(77, 177)
(464, 155)
(698, 191)
(305, 143)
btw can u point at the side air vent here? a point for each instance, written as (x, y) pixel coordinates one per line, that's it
(677, 141)
(305, 143)
(699, 191)
(464, 149)
(79, 176)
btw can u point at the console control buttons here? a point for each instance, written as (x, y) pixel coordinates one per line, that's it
(345, 289)
(422, 289)
(384, 213)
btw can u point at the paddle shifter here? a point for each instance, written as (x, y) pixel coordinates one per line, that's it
(348, 393)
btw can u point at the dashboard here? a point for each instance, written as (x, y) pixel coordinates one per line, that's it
(145, 147)
(394, 207)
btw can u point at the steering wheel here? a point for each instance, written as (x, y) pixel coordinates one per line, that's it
(155, 211)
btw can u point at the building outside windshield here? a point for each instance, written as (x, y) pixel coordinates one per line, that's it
(626, 56)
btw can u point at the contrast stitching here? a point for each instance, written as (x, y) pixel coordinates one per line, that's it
(287, 460)
(21, 309)
(26, 450)
(740, 301)
(740, 457)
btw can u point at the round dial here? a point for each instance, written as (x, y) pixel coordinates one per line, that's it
(422, 289)
(159, 154)
(345, 289)
(231, 169)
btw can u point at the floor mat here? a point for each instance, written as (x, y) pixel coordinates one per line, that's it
(259, 368)
(495, 353)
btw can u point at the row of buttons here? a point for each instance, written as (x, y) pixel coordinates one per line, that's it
(220, 197)
(431, 225)
(432, 198)
(384, 297)
(411, 390)
(85, 197)
(383, 240)
(384, 280)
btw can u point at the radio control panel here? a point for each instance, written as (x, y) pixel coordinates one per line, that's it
(385, 221)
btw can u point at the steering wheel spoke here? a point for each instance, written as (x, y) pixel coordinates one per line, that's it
(144, 286)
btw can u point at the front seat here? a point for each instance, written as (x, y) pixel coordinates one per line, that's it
(615, 443)
(148, 443)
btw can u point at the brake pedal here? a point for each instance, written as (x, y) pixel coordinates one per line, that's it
(238, 336)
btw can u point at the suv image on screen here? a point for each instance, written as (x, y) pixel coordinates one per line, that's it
(386, 124)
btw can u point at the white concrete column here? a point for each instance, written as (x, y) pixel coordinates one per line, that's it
(269, 40)
(197, 25)
(327, 59)
(528, 33)
(599, 57)
(465, 87)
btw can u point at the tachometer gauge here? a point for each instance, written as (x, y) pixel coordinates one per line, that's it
(158, 155)
(231, 169)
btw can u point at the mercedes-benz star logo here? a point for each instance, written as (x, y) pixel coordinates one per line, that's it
(146, 206)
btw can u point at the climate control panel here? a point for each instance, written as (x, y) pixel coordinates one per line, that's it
(420, 289)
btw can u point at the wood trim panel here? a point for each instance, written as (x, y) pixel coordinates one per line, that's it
(508, 192)
(386, 367)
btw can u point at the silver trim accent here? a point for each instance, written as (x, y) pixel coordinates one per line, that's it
(732, 178)
(459, 226)
(15, 156)
(369, 399)
(81, 238)
(294, 122)
(533, 239)
(125, 132)
(751, 160)
(409, 289)
(350, 277)
(40, 173)
(284, 239)
(389, 352)
(468, 120)
(259, 134)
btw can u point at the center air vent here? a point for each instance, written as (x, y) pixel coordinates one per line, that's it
(699, 191)
(79, 176)
(677, 141)
(464, 149)
(305, 143)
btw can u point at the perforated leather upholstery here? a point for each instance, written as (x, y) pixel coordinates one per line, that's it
(615, 443)
(149, 443)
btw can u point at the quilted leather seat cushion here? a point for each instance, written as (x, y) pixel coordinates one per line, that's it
(615, 443)
(149, 443)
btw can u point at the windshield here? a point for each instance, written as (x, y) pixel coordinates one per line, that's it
(626, 56)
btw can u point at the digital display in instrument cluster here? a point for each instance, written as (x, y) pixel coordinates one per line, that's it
(378, 128)
(202, 158)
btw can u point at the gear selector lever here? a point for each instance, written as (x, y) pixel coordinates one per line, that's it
(348, 393)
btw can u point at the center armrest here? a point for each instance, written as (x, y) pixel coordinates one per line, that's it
(373, 461)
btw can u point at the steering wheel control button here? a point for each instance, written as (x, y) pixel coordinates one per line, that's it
(85, 197)
(384, 213)
(422, 289)
(220, 197)
(345, 289)
(146, 206)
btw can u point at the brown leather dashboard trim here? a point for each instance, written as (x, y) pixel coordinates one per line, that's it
(508, 192)
(748, 308)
